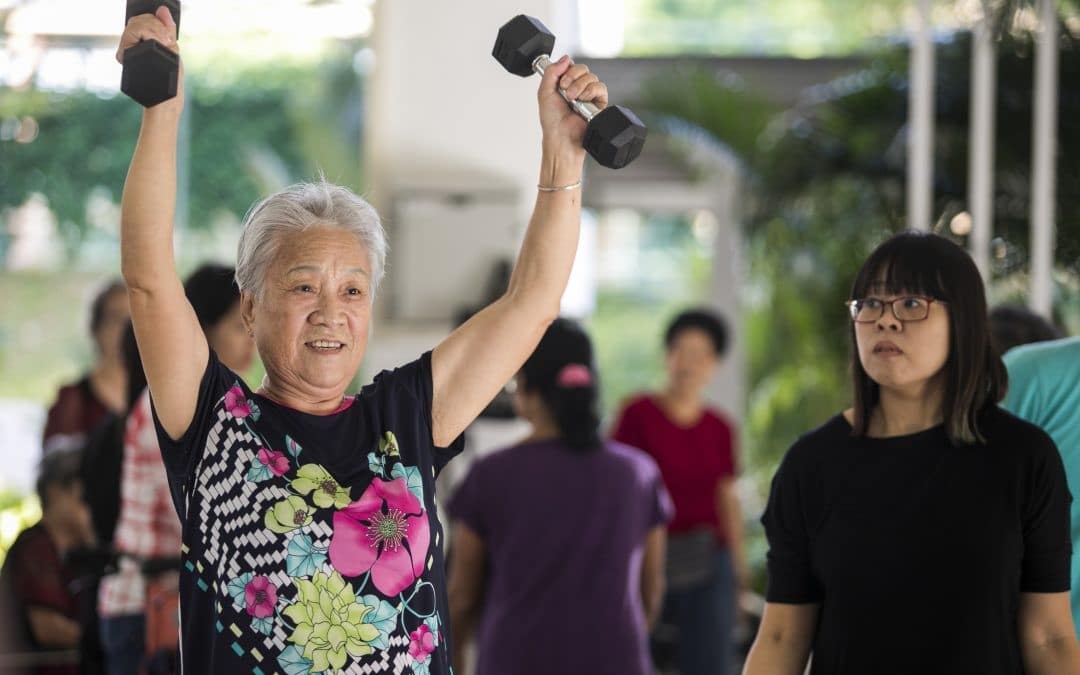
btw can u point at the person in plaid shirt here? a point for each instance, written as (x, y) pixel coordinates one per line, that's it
(148, 528)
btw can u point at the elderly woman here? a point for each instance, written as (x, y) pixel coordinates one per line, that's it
(310, 538)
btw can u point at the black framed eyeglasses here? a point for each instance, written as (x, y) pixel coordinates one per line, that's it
(904, 308)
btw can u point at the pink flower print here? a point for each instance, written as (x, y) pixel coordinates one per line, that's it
(385, 532)
(421, 644)
(236, 404)
(260, 597)
(276, 461)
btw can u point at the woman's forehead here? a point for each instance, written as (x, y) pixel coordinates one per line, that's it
(321, 248)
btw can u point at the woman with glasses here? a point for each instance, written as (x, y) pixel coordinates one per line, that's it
(923, 530)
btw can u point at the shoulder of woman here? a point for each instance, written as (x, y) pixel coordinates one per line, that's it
(814, 445)
(636, 402)
(1002, 428)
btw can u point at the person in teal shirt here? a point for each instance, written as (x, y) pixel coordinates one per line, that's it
(1044, 389)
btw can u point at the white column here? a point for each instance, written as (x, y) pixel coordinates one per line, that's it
(1043, 175)
(920, 174)
(981, 151)
(440, 109)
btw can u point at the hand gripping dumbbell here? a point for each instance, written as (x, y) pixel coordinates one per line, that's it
(614, 136)
(151, 70)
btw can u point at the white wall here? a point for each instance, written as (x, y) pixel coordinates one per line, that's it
(442, 111)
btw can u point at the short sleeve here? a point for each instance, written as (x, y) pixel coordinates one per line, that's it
(182, 455)
(791, 578)
(663, 509)
(468, 502)
(629, 429)
(729, 447)
(415, 385)
(1047, 541)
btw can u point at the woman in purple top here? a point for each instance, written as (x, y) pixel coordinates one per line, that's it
(556, 562)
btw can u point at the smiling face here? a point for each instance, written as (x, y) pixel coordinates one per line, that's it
(311, 323)
(903, 355)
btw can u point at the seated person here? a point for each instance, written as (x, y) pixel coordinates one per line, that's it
(37, 586)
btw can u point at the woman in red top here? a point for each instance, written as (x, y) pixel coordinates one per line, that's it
(695, 448)
(81, 406)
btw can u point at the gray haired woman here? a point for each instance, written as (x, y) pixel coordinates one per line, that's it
(310, 541)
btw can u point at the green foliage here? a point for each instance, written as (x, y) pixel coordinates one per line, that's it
(252, 129)
(804, 28)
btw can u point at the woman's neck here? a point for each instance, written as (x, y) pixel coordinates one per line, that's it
(904, 412)
(681, 405)
(313, 403)
(59, 534)
(108, 381)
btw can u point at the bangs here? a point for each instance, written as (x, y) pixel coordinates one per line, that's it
(908, 264)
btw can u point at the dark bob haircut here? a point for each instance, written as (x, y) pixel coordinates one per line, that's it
(975, 377)
(699, 319)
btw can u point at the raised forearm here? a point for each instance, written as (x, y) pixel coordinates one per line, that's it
(550, 244)
(148, 205)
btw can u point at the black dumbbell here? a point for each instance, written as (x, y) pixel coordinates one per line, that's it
(614, 136)
(151, 70)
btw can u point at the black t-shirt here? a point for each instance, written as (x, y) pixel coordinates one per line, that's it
(311, 543)
(916, 549)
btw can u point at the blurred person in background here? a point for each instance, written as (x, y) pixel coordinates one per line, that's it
(83, 405)
(925, 529)
(556, 559)
(1013, 325)
(1044, 389)
(38, 586)
(695, 448)
(148, 537)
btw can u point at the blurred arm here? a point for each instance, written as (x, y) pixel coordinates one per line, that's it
(730, 512)
(1047, 635)
(652, 574)
(782, 645)
(465, 588)
(52, 629)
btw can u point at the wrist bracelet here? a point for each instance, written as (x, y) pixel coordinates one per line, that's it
(559, 188)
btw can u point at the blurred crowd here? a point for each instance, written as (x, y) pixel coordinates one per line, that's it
(646, 511)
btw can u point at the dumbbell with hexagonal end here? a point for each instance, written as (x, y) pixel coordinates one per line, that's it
(151, 70)
(614, 136)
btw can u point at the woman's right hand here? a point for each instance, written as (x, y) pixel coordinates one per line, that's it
(161, 27)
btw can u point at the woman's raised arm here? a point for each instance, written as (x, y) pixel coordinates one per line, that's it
(172, 345)
(480, 357)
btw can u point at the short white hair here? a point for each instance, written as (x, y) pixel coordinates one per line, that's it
(298, 208)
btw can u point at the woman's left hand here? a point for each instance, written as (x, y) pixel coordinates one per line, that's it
(564, 129)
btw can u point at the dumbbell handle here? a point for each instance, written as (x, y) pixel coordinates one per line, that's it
(584, 108)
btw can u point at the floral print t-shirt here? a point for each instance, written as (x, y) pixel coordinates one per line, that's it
(311, 543)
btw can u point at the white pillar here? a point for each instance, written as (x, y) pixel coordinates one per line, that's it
(981, 151)
(920, 174)
(1043, 175)
(440, 109)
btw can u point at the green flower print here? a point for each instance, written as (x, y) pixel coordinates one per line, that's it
(330, 624)
(315, 479)
(388, 444)
(288, 515)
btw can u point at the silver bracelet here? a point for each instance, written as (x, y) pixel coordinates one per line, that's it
(559, 188)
